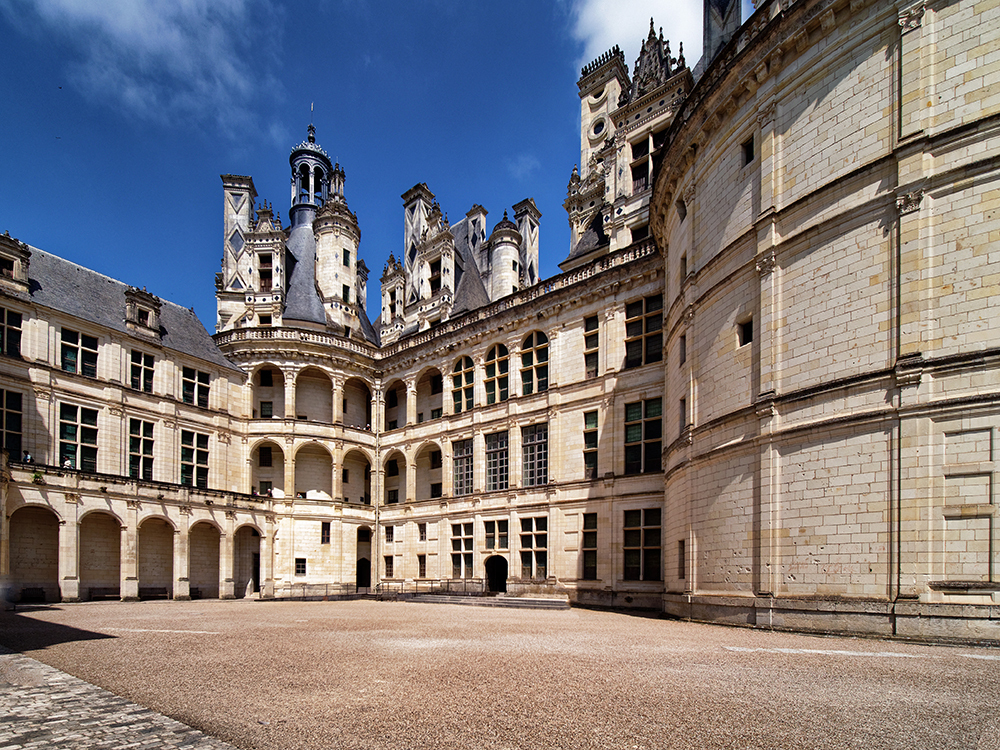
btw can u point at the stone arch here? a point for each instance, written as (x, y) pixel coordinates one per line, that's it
(100, 555)
(363, 574)
(394, 472)
(156, 558)
(267, 468)
(430, 394)
(268, 387)
(395, 405)
(204, 543)
(313, 471)
(429, 471)
(34, 554)
(495, 571)
(356, 477)
(314, 395)
(357, 403)
(246, 559)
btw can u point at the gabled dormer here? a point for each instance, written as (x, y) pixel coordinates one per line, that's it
(14, 259)
(142, 313)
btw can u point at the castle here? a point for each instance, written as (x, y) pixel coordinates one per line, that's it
(763, 389)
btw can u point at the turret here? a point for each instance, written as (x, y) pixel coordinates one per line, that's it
(526, 216)
(417, 204)
(505, 258)
(393, 291)
(337, 239)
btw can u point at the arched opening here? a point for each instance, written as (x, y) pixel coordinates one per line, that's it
(314, 396)
(429, 472)
(267, 470)
(535, 363)
(497, 378)
(496, 574)
(364, 570)
(268, 393)
(34, 555)
(156, 559)
(313, 472)
(203, 547)
(430, 395)
(246, 561)
(302, 178)
(357, 404)
(319, 183)
(100, 556)
(356, 478)
(395, 405)
(463, 380)
(395, 479)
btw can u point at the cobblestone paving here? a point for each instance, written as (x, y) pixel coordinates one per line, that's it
(41, 707)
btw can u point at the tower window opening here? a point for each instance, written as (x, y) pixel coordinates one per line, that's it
(435, 276)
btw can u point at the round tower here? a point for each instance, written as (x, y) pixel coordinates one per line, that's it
(505, 259)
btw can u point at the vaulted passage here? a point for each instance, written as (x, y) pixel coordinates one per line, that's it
(100, 556)
(34, 555)
(156, 559)
(246, 562)
(204, 572)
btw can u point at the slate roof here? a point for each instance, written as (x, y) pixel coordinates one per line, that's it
(592, 238)
(69, 288)
(302, 301)
(470, 292)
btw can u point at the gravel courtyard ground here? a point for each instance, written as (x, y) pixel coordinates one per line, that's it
(366, 674)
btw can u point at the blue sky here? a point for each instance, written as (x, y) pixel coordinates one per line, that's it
(119, 116)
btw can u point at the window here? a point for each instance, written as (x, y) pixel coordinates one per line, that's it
(266, 409)
(435, 277)
(534, 547)
(391, 497)
(462, 380)
(535, 363)
(535, 450)
(683, 268)
(421, 566)
(266, 378)
(78, 437)
(78, 353)
(590, 346)
(345, 475)
(324, 532)
(390, 533)
(10, 333)
(496, 534)
(347, 257)
(588, 545)
(682, 415)
(10, 422)
(435, 489)
(748, 151)
(266, 488)
(140, 449)
(497, 381)
(389, 568)
(392, 399)
(496, 462)
(347, 294)
(461, 550)
(422, 531)
(435, 459)
(744, 332)
(643, 336)
(392, 425)
(681, 560)
(264, 267)
(641, 545)
(300, 566)
(265, 320)
(462, 458)
(590, 445)
(643, 430)
(194, 387)
(682, 349)
(142, 371)
(640, 177)
(436, 413)
(264, 456)
(392, 468)
(194, 460)
(437, 384)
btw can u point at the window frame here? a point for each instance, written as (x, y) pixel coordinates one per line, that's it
(535, 455)
(535, 363)
(496, 378)
(140, 449)
(644, 331)
(497, 461)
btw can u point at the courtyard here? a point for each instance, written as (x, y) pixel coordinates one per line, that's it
(365, 674)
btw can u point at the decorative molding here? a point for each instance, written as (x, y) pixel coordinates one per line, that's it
(912, 17)
(765, 114)
(133, 504)
(231, 514)
(185, 510)
(828, 20)
(225, 437)
(689, 314)
(766, 263)
(116, 411)
(908, 203)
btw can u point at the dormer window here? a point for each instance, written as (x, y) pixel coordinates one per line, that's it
(142, 312)
(435, 275)
(14, 258)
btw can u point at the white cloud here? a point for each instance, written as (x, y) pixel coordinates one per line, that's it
(601, 24)
(165, 61)
(523, 166)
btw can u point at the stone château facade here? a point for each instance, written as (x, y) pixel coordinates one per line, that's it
(762, 390)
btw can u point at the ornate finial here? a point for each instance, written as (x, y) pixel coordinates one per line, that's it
(680, 56)
(652, 29)
(312, 133)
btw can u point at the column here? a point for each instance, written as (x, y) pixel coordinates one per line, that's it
(410, 490)
(289, 458)
(338, 402)
(411, 403)
(227, 586)
(69, 555)
(267, 559)
(129, 585)
(182, 561)
(289, 394)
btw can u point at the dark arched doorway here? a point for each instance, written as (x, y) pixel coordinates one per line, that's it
(363, 579)
(496, 574)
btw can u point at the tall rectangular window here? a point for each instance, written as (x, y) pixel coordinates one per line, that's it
(535, 451)
(390, 534)
(347, 293)
(266, 409)
(641, 545)
(590, 445)
(194, 459)
(681, 560)
(78, 353)
(588, 546)
(462, 385)
(324, 532)
(300, 566)
(643, 432)
(142, 371)
(194, 388)
(391, 497)
(644, 331)
(496, 534)
(591, 346)
(682, 349)
(462, 460)
(497, 470)
(347, 257)
(421, 566)
(265, 456)
(10, 333)
(78, 437)
(534, 547)
(10, 422)
(461, 550)
(422, 532)
(140, 449)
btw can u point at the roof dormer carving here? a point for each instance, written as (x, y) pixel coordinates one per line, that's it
(14, 259)
(142, 312)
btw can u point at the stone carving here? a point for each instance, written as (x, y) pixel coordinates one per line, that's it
(907, 203)
(911, 18)
(766, 263)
